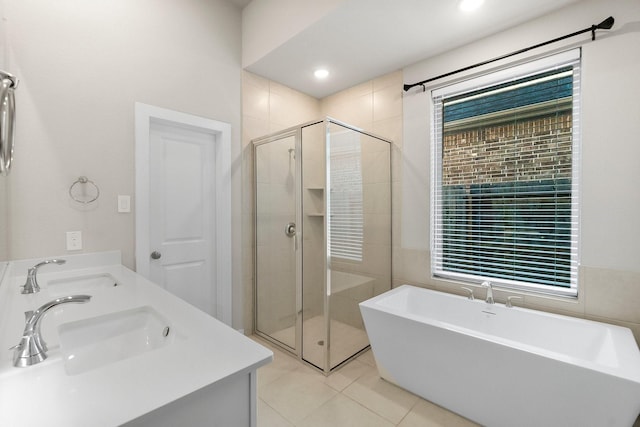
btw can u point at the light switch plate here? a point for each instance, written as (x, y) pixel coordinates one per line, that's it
(124, 204)
(74, 240)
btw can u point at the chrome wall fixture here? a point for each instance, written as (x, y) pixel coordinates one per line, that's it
(83, 197)
(7, 120)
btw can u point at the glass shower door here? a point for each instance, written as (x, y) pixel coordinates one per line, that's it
(359, 234)
(275, 173)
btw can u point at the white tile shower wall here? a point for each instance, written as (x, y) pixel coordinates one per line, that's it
(267, 107)
(374, 106)
(276, 257)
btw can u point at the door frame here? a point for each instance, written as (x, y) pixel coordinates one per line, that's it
(145, 115)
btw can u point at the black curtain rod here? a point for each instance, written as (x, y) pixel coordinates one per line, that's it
(607, 24)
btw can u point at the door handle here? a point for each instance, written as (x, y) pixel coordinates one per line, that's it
(155, 255)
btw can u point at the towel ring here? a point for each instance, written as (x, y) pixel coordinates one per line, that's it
(84, 180)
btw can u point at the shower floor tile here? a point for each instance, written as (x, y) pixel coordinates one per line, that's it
(346, 340)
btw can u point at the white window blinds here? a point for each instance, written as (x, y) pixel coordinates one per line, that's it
(505, 166)
(345, 198)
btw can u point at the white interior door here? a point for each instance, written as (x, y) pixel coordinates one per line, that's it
(182, 212)
(183, 206)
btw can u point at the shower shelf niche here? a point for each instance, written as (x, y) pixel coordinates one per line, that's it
(316, 196)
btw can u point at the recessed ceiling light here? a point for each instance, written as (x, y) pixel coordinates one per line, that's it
(470, 5)
(321, 73)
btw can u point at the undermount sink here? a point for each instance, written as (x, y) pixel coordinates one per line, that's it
(83, 284)
(99, 341)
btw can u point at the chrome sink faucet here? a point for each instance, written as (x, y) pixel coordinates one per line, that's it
(32, 349)
(487, 284)
(31, 285)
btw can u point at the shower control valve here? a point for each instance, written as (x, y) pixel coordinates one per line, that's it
(290, 229)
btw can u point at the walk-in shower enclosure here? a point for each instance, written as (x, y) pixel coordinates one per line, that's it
(323, 237)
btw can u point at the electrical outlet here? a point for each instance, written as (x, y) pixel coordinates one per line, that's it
(74, 240)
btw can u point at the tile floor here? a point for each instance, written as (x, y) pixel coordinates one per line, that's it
(293, 394)
(345, 339)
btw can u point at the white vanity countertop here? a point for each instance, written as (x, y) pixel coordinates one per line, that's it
(203, 351)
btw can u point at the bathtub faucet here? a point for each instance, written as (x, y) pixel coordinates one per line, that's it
(487, 284)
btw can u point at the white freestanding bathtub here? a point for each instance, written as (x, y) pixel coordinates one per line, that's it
(502, 366)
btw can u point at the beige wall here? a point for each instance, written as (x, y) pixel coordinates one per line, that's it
(609, 275)
(82, 66)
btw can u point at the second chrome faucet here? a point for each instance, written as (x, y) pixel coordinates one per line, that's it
(31, 286)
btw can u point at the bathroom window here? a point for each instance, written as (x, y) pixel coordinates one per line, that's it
(506, 177)
(346, 208)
